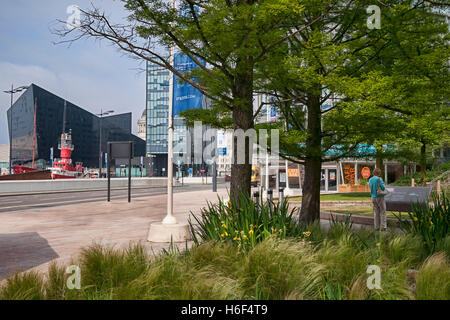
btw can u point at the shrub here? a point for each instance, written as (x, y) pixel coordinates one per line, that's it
(432, 223)
(331, 266)
(444, 166)
(433, 279)
(23, 286)
(104, 268)
(284, 269)
(401, 248)
(247, 225)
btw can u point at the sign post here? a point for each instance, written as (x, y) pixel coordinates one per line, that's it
(365, 172)
(129, 175)
(214, 176)
(120, 150)
(400, 198)
(108, 173)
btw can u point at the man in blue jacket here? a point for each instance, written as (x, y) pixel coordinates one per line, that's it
(379, 206)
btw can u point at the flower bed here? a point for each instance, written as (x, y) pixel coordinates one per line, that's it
(353, 188)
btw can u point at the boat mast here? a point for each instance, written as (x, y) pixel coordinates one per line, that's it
(64, 118)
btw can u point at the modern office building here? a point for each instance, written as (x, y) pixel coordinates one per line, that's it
(37, 123)
(157, 126)
(157, 118)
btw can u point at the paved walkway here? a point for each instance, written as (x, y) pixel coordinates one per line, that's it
(31, 239)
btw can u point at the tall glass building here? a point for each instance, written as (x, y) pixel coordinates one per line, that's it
(157, 125)
(158, 118)
(36, 130)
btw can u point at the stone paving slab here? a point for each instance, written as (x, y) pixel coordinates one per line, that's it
(31, 239)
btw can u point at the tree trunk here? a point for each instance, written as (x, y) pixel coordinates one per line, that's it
(310, 210)
(242, 119)
(379, 162)
(423, 163)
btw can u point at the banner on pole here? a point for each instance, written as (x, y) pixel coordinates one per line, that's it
(185, 96)
(51, 157)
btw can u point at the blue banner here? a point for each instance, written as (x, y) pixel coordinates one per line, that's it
(51, 157)
(273, 114)
(185, 96)
(222, 151)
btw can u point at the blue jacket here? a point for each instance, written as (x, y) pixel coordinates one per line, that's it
(373, 184)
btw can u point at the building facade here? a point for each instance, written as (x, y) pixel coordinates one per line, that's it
(4, 159)
(142, 126)
(157, 113)
(37, 123)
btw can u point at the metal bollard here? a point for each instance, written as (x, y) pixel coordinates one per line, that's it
(280, 195)
(270, 195)
(260, 192)
(256, 197)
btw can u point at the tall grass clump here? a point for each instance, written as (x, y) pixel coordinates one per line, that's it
(432, 223)
(23, 286)
(284, 269)
(433, 279)
(246, 224)
(104, 268)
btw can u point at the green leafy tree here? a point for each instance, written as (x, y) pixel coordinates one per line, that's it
(412, 83)
(368, 74)
(227, 39)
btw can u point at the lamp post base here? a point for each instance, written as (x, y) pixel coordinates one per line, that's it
(160, 232)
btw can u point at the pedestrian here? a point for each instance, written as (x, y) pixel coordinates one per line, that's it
(377, 192)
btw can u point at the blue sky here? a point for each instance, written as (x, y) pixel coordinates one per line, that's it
(94, 75)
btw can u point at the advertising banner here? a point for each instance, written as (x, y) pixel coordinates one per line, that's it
(51, 157)
(293, 173)
(273, 114)
(221, 143)
(185, 96)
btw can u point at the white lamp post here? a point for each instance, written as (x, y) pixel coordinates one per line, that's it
(169, 229)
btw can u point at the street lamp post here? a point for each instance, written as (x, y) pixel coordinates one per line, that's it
(169, 229)
(100, 154)
(11, 92)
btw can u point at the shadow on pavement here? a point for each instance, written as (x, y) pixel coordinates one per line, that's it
(22, 251)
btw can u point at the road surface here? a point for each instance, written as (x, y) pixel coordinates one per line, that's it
(47, 200)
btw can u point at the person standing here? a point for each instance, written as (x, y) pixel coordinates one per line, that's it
(379, 205)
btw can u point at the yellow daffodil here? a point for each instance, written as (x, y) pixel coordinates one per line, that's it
(415, 219)
(250, 232)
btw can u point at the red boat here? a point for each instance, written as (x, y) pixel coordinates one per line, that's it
(63, 168)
